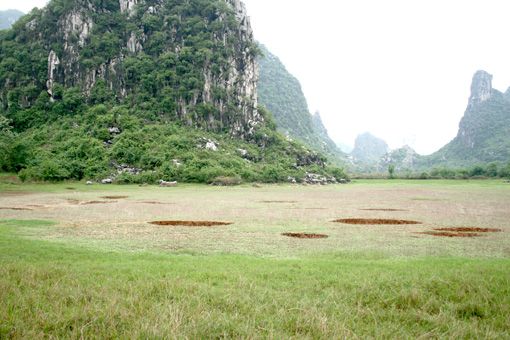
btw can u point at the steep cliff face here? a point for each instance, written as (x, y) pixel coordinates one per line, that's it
(483, 131)
(198, 57)
(281, 93)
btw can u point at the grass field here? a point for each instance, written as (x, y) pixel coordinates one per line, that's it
(76, 264)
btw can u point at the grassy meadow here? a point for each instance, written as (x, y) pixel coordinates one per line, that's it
(74, 263)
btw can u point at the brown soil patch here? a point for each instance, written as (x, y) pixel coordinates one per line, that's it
(379, 221)
(469, 230)
(278, 202)
(97, 202)
(14, 208)
(114, 197)
(305, 235)
(449, 234)
(153, 202)
(190, 223)
(384, 210)
(78, 202)
(70, 188)
(307, 208)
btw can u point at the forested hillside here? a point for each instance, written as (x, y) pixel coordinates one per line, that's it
(281, 93)
(138, 91)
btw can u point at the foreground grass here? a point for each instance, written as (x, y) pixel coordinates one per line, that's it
(55, 290)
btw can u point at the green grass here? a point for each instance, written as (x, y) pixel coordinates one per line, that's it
(64, 291)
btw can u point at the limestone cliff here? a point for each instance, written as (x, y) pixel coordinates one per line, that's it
(483, 131)
(198, 57)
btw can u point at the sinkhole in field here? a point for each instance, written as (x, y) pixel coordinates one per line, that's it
(374, 221)
(305, 235)
(190, 223)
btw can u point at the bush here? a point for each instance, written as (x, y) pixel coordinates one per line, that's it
(226, 181)
(338, 173)
(48, 170)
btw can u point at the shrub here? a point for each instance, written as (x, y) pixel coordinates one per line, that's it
(226, 181)
(338, 173)
(48, 170)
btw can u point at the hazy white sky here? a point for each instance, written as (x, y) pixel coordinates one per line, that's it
(400, 69)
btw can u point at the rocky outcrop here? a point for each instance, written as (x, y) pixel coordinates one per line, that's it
(481, 88)
(127, 6)
(53, 63)
(76, 24)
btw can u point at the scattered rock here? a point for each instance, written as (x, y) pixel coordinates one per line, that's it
(166, 184)
(89, 183)
(176, 162)
(317, 179)
(208, 144)
(124, 168)
(243, 153)
(114, 130)
(291, 179)
(107, 181)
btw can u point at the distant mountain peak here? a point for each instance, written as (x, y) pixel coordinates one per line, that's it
(481, 88)
(368, 148)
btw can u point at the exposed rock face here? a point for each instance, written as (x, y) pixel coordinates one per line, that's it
(127, 5)
(53, 63)
(83, 53)
(243, 75)
(483, 131)
(369, 149)
(481, 91)
(242, 16)
(481, 88)
(77, 24)
(133, 44)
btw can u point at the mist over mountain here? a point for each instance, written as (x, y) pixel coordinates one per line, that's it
(280, 92)
(368, 148)
(9, 17)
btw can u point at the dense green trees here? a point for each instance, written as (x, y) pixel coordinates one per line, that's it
(91, 144)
